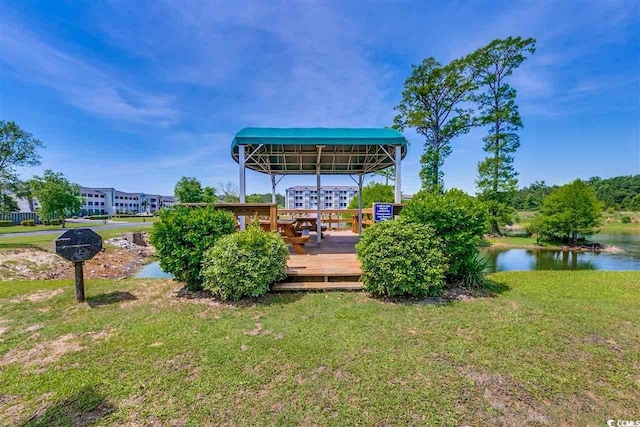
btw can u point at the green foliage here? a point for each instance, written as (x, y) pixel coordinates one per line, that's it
(530, 198)
(183, 235)
(457, 218)
(474, 274)
(492, 64)
(626, 219)
(51, 222)
(265, 198)
(571, 211)
(433, 103)
(402, 258)
(536, 227)
(209, 194)
(6, 223)
(8, 204)
(389, 174)
(245, 264)
(28, 222)
(58, 197)
(188, 190)
(373, 192)
(18, 148)
(620, 193)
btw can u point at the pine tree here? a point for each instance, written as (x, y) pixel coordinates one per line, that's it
(496, 102)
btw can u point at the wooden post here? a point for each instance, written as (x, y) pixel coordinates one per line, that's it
(79, 281)
(273, 217)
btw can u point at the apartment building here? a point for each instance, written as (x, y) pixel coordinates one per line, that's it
(331, 197)
(109, 201)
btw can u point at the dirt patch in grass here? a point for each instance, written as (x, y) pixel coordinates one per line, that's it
(38, 296)
(33, 264)
(38, 264)
(511, 404)
(45, 353)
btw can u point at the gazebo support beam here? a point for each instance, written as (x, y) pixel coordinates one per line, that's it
(319, 213)
(360, 179)
(273, 188)
(243, 184)
(398, 195)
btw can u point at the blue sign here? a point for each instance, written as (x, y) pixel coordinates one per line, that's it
(382, 211)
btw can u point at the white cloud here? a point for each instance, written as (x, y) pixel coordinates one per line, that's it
(85, 86)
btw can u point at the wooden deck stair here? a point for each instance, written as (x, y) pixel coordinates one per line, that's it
(332, 265)
(318, 286)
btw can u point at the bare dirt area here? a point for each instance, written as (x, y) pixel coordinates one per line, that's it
(120, 259)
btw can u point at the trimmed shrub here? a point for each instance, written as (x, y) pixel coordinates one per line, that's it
(97, 217)
(245, 264)
(626, 220)
(6, 223)
(27, 222)
(183, 236)
(402, 258)
(458, 219)
(51, 222)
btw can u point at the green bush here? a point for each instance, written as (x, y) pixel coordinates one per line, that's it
(402, 258)
(184, 235)
(97, 217)
(245, 264)
(458, 219)
(6, 223)
(51, 222)
(28, 222)
(626, 220)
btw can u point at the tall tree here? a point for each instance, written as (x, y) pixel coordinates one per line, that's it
(58, 197)
(18, 148)
(373, 192)
(188, 190)
(228, 192)
(570, 211)
(496, 101)
(8, 204)
(389, 174)
(24, 190)
(209, 194)
(433, 102)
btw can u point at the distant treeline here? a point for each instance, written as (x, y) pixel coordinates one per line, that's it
(620, 193)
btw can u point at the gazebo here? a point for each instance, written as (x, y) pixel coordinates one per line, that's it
(318, 151)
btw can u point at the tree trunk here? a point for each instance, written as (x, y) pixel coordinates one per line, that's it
(63, 222)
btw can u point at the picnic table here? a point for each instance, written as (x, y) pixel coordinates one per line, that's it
(308, 223)
(288, 231)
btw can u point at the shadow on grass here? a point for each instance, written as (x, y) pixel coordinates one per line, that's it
(270, 298)
(110, 298)
(82, 409)
(451, 295)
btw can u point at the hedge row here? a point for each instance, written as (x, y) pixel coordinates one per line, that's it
(6, 223)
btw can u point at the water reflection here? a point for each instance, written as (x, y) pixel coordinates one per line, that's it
(541, 259)
(153, 271)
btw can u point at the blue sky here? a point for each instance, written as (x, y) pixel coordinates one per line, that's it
(136, 94)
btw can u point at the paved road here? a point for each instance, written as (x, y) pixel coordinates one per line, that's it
(97, 227)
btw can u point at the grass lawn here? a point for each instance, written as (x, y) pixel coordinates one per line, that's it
(27, 229)
(46, 241)
(137, 219)
(554, 348)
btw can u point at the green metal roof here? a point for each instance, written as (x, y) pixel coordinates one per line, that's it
(284, 151)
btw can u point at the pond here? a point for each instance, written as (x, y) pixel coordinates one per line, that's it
(153, 271)
(506, 259)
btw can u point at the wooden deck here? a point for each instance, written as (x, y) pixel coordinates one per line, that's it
(330, 265)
